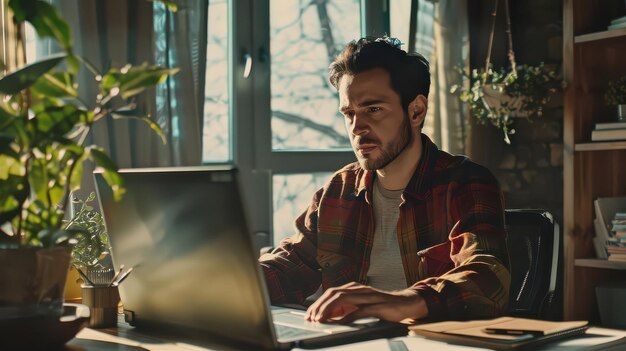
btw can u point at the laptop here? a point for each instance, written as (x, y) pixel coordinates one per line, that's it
(184, 231)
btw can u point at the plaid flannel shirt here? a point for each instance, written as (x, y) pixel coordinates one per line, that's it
(450, 231)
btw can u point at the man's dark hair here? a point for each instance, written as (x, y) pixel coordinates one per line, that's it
(409, 73)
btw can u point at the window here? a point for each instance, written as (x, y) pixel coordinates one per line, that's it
(291, 195)
(216, 146)
(305, 37)
(287, 136)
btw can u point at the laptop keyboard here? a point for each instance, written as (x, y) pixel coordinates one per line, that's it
(284, 332)
(291, 325)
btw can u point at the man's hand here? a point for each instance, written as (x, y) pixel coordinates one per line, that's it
(352, 301)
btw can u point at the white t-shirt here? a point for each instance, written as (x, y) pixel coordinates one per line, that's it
(386, 271)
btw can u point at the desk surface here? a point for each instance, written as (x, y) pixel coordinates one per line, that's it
(126, 338)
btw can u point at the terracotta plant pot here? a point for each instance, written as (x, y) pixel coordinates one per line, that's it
(33, 280)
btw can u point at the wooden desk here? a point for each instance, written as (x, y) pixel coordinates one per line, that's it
(126, 338)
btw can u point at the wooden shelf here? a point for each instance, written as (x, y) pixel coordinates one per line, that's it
(601, 146)
(598, 263)
(608, 34)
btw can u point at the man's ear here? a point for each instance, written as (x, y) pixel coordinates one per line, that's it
(417, 110)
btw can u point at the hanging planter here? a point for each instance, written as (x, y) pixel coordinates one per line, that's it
(497, 96)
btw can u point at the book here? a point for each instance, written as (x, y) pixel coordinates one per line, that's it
(605, 209)
(611, 125)
(619, 20)
(600, 247)
(618, 227)
(608, 134)
(480, 332)
(617, 26)
(617, 257)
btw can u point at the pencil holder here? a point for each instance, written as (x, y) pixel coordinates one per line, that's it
(102, 301)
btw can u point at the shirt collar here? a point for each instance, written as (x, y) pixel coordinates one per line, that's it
(419, 187)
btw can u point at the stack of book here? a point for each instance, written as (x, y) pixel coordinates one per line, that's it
(609, 131)
(616, 246)
(610, 228)
(618, 23)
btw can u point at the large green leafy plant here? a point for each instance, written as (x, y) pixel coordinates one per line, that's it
(44, 125)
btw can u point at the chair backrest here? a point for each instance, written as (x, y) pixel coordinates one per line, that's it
(533, 244)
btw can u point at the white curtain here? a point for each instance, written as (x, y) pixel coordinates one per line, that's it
(442, 36)
(112, 33)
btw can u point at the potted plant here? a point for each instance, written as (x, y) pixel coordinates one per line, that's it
(44, 126)
(496, 96)
(92, 246)
(615, 95)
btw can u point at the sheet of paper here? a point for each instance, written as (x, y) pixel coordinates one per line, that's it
(416, 343)
(410, 343)
(378, 344)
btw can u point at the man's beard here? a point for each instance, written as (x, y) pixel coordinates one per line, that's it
(389, 152)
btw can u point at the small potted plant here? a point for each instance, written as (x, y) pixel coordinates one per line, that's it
(615, 95)
(92, 243)
(44, 126)
(496, 96)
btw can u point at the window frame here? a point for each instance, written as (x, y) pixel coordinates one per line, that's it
(250, 112)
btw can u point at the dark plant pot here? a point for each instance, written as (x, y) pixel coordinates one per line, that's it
(33, 280)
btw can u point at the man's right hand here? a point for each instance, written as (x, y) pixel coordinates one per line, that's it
(353, 301)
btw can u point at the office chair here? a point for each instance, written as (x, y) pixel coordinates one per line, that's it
(534, 246)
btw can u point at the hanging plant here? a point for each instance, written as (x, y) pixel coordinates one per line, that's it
(496, 96)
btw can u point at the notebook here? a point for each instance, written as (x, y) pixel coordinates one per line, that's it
(184, 231)
(504, 333)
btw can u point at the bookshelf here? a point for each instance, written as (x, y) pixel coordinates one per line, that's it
(597, 263)
(592, 56)
(601, 146)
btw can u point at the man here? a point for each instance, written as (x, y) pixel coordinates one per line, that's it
(409, 231)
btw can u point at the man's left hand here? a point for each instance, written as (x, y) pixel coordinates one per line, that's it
(352, 301)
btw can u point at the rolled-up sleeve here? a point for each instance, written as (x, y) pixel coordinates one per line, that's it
(291, 270)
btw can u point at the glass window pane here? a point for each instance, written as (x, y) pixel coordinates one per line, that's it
(400, 20)
(30, 39)
(305, 36)
(292, 195)
(216, 134)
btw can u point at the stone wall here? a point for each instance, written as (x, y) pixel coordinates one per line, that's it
(531, 168)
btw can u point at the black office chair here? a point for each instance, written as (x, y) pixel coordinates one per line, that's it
(534, 245)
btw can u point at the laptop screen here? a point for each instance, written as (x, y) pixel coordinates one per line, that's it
(184, 232)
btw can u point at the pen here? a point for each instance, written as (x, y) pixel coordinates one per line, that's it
(116, 275)
(84, 276)
(121, 279)
(505, 331)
